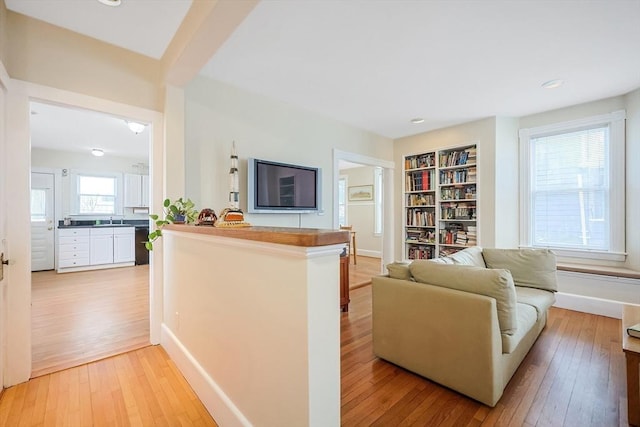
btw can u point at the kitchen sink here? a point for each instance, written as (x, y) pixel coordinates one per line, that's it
(113, 225)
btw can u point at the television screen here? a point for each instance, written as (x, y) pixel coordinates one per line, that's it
(277, 187)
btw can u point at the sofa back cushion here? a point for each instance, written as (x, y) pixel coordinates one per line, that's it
(531, 268)
(494, 283)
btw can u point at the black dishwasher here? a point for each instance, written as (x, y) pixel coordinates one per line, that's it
(142, 254)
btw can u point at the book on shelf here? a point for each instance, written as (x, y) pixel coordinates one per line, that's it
(634, 331)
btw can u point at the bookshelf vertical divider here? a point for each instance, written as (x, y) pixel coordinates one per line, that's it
(439, 202)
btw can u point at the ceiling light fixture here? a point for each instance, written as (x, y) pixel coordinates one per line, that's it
(552, 84)
(97, 152)
(135, 126)
(112, 3)
(417, 120)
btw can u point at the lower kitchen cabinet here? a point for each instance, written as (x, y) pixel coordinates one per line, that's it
(101, 246)
(97, 247)
(124, 245)
(73, 248)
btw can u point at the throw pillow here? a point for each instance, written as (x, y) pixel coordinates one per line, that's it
(494, 283)
(469, 256)
(531, 268)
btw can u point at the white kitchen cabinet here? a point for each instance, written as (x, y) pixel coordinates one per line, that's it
(101, 249)
(73, 247)
(124, 245)
(136, 190)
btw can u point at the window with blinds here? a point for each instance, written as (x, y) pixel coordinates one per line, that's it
(573, 187)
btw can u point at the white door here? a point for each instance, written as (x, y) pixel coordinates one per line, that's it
(42, 221)
(3, 245)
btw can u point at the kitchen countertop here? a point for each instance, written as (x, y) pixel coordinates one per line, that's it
(97, 226)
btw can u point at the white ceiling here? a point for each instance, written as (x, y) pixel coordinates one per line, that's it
(378, 64)
(77, 130)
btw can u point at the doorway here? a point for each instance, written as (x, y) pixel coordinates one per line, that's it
(373, 181)
(82, 316)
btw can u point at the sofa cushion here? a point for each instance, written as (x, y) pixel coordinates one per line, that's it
(399, 270)
(526, 319)
(469, 256)
(533, 268)
(537, 298)
(494, 283)
(441, 260)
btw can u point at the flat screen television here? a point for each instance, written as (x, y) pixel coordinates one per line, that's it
(280, 187)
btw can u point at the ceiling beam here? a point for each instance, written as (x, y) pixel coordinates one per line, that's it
(204, 29)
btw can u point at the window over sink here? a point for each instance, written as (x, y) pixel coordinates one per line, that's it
(96, 193)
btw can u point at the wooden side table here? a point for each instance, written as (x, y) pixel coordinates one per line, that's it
(631, 348)
(344, 283)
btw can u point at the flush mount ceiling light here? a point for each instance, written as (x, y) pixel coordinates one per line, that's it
(135, 126)
(97, 152)
(552, 84)
(417, 120)
(112, 3)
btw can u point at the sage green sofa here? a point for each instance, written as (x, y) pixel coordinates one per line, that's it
(465, 321)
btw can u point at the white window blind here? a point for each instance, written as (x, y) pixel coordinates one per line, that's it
(570, 189)
(573, 187)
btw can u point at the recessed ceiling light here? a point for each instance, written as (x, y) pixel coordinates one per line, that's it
(417, 120)
(552, 84)
(113, 3)
(97, 152)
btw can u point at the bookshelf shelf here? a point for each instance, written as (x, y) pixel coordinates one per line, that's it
(440, 202)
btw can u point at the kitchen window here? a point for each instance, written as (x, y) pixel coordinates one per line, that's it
(96, 194)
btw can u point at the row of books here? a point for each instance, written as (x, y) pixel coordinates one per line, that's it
(458, 193)
(422, 218)
(459, 237)
(421, 199)
(463, 210)
(421, 235)
(420, 180)
(458, 158)
(460, 176)
(420, 252)
(421, 161)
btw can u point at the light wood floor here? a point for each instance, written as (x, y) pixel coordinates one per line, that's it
(573, 376)
(85, 316)
(139, 388)
(361, 273)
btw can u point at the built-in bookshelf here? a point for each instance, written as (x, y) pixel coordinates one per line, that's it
(440, 202)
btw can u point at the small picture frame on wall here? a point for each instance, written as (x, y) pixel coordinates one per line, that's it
(360, 193)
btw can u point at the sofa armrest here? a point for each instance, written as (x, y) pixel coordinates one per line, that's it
(446, 335)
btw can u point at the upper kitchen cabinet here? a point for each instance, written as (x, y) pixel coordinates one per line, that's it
(136, 190)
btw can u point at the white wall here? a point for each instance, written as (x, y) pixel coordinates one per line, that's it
(58, 160)
(218, 114)
(491, 170)
(361, 214)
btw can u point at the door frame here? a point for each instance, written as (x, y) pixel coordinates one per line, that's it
(19, 97)
(387, 196)
(57, 203)
(4, 284)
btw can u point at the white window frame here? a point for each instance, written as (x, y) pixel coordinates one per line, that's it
(74, 202)
(345, 179)
(377, 200)
(616, 123)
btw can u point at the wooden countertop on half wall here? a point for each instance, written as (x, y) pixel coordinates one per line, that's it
(307, 237)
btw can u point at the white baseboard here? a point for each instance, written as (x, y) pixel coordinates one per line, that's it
(369, 253)
(599, 306)
(207, 390)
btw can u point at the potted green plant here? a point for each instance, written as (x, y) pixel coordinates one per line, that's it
(177, 212)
